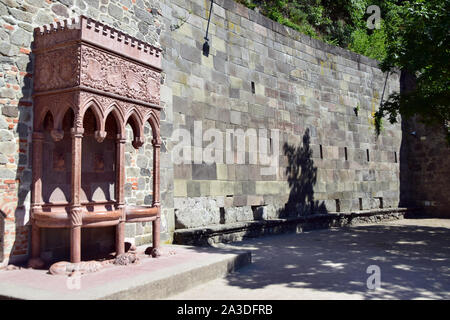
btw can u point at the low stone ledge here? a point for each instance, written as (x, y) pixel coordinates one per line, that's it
(240, 230)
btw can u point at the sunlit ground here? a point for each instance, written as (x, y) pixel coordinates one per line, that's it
(412, 256)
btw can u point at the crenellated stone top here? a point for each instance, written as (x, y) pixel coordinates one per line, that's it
(90, 31)
(83, 54)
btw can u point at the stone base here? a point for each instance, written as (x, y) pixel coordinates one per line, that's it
(250, 229)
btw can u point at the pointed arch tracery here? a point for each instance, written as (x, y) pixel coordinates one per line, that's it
(92, 64)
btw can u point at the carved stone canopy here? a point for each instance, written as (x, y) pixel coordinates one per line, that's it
(82, 63)
(90, 81)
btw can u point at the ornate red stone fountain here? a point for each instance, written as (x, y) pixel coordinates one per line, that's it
(91, 80)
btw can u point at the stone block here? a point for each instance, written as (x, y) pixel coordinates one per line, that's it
(238, 214)
(180, 188)
(204, 172)
(191, 54)
(196, 212)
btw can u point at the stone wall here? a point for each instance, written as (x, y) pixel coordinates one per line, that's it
(425, 168)
(18, 18)
(303, 87)
(261, 75)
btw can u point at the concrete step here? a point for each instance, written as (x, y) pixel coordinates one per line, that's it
(179, 269)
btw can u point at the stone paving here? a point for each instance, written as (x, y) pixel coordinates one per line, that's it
(178, 269)
(413, 256)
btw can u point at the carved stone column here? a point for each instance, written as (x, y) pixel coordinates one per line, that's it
(120, 197)
(36, 195)
(156, 202)
(75, 210)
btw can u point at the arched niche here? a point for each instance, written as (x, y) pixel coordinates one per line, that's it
(57, 156)
(79, 141)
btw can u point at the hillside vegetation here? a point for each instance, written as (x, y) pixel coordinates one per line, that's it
(338, 22)
(412, 36)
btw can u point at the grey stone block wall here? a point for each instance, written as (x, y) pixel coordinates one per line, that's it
(330, 159)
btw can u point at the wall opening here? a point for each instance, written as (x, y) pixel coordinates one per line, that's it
(368, 155)
(360, 204)
(253, 88)
(338, 205)
(345, 153)
(395, 157)
(257, 212)
(321, 152)
(222, 215)
(381, 202)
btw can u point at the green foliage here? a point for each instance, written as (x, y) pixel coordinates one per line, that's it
(369, 44)
(337, 22)
(418, 43)
(356, 109)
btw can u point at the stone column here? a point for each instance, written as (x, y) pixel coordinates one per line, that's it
(120, 197)
(156, 252)
(75, 209)
(36, 195)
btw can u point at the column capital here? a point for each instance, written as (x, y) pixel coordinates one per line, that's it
(156, 204)
(100, 135)
(77, 132)
(57, 134)
(156, 142)
(138, 142)
(121, 138)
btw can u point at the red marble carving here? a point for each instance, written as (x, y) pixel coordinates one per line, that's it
(123, 77)
(83, 67)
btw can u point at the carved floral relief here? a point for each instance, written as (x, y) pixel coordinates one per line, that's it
(57, 69)
(105, 72)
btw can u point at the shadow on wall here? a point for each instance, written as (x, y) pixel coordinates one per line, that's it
(301, 176)
(2, 235)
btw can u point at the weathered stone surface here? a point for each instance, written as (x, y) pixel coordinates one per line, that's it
(238, 214)
(8, 50)
(6, 135)
(7, 173)
(194, 212)
(43, 17)
(115, 11)
(265, 212)
(92, 3)
(21, 15)
(60, 10)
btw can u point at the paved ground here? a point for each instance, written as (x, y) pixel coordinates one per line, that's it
(413, 256)
(180, 268)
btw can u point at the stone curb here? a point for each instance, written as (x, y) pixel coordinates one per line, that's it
(240, 230)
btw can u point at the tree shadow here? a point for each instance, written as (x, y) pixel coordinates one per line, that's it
(413, 262)
(301, 176)
(2, 235)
